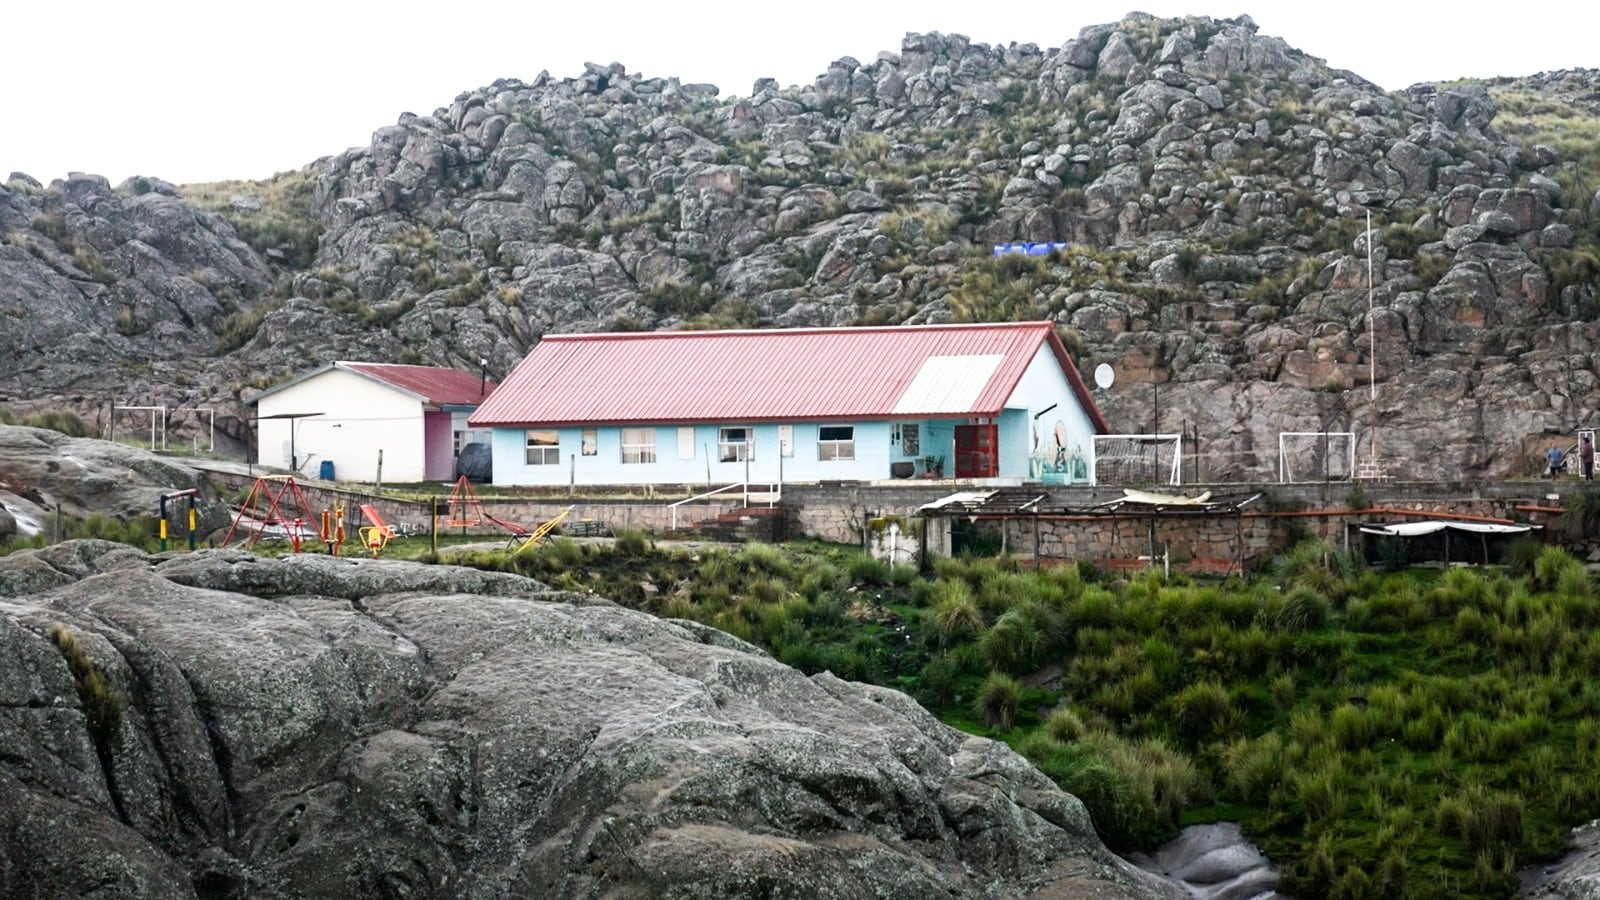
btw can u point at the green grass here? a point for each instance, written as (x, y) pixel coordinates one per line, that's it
(139, 533)
(285, 222)
(1378, 734)
(65, 421)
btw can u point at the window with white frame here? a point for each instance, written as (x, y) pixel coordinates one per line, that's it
(590, 441)
(544, 447)
(638, 445)
(735, 443)
(460, 439)
(836, 442)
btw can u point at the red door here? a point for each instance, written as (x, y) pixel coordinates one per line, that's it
(977, 451)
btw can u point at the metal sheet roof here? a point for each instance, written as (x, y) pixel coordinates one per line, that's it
(948, 383)
(812, 374)
(435, 385)
(1014, 502)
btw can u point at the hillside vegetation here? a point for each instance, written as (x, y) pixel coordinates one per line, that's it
(1379, 734)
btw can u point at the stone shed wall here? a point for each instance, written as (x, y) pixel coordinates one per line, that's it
(844, 512)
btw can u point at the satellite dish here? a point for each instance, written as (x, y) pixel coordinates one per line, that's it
(1104, 376)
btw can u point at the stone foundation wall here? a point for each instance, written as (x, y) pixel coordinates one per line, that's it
(416, 516)
(844, 512)
(841, 512)
(1211, 541)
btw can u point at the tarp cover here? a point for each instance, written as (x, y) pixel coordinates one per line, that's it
(1149, 497)
(1417, 529)
(476, 462)
(964, 497)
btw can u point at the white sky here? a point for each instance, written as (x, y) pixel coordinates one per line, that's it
(190, 91)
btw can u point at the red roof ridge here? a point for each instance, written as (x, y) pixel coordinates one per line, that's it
(770, 374)
(445, 385)
(809, 329)
(353, 362)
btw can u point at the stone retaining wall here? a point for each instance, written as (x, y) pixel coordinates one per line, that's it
(843, 512)
(416, 515)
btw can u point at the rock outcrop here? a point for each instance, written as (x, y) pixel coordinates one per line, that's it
(314, 726)
(44, 471)
(1213, 181)
(1214, 862)
(1576, 876)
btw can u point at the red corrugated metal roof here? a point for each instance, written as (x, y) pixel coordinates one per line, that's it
(435, 385)
(751, 376)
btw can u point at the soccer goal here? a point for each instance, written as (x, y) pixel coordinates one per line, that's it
(1137, 459)
(1316, 456)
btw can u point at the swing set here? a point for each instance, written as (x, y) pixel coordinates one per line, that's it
(276, 504)
(466, 510)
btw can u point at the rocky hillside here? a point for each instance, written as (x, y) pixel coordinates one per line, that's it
(1214, 184)
(222, 725)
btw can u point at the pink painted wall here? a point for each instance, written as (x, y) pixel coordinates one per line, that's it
(438, 464)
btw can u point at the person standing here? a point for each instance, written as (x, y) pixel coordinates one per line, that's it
(1554, 456)
(1586, 457)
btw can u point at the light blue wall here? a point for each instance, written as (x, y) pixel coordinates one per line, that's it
(873, 454)
(1013, 443)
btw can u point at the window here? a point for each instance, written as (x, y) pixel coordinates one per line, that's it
(544, 447)
(836, 442)
(910, 440)
(735, 444)
(460, 439)
(590, 442)
(638, 445)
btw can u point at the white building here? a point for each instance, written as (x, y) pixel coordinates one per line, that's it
(345, 420)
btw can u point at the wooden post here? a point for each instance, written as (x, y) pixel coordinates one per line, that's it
(1238, 538)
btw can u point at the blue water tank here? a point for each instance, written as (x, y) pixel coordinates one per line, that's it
(327, 470)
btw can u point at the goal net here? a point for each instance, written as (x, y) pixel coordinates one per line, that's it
(1316, 456)
(1137, 459)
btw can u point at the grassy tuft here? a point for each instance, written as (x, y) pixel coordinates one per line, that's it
(631, 542)
(998, 701)
(63, 420)
(954, 615)
(865, 570)
(101, 705)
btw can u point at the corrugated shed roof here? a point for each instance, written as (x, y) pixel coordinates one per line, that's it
(435, 385)
(774, 375)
